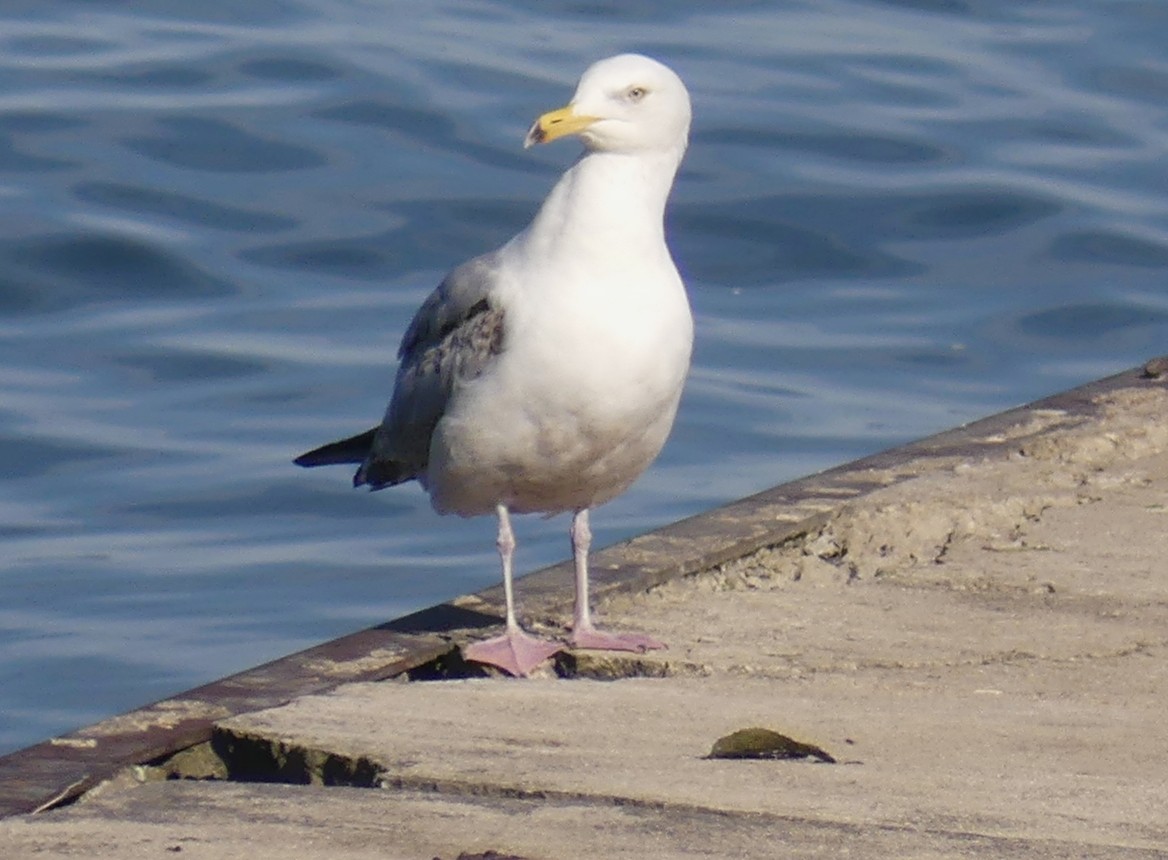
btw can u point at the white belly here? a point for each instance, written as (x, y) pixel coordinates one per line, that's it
(579, 403)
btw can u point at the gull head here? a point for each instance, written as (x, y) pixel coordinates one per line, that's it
(627, 103)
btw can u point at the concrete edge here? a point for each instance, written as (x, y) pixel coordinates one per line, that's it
(61, 769)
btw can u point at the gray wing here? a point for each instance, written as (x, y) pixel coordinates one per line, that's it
(452, 338)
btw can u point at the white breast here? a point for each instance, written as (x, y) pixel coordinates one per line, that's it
(579, 403)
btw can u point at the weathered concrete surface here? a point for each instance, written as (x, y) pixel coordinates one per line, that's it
(983, 646)
(226, 821)
(982, 750)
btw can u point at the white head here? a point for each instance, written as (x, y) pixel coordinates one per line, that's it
(627, 103)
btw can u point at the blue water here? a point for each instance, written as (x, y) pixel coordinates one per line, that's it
(217, 217)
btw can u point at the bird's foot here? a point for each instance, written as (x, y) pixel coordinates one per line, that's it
(515, 652)
(597, 640)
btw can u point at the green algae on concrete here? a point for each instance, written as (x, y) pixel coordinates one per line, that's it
(763, 743)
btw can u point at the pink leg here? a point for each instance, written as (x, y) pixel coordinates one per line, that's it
(584, 635)
(515, 652)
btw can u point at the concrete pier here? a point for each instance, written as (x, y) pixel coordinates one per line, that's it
(975, 627)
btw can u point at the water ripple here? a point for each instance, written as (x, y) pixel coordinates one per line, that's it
(219, 146)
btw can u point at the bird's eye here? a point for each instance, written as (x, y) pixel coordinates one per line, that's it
(635, 94)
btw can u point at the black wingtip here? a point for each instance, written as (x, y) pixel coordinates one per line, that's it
(352, 450)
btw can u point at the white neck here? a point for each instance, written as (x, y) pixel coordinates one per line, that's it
(605, 199)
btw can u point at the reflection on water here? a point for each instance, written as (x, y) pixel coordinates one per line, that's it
(894, 217)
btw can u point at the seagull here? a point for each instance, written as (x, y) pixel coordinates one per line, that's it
(544, 377)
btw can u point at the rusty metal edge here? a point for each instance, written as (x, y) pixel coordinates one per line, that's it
(61, 769)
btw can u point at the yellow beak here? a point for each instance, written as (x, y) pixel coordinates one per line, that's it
(555, 124)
